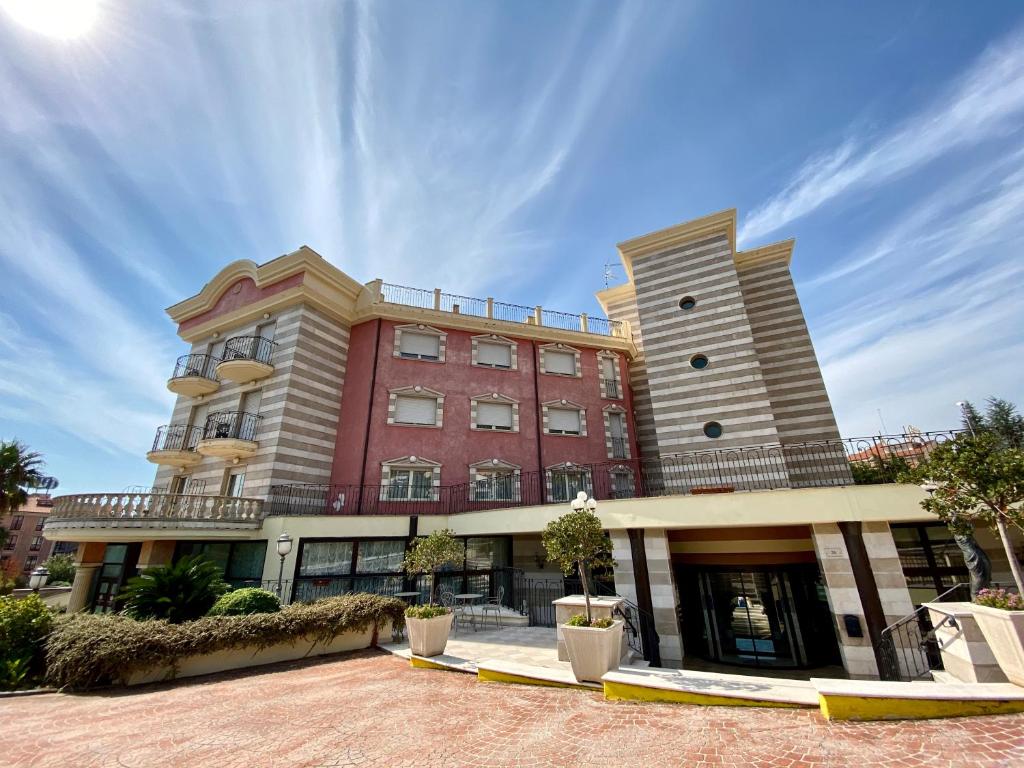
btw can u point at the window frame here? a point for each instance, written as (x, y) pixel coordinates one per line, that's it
(603, 355)
(563, 405)
(495, 398)
(409, 464)
(496, 467)
(423, 330)
(493, 338)
(564, 469)
(609, 440)
(564, 348)
(420, 392)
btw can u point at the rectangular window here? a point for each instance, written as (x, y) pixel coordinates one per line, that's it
(415, 410)
(37, 542)
(234, 483)
(39, 525)
(622, 485)
(494, 354)
(30, 562)
(608, 368)
(16, 522)
(617, 430)
(326, 558)
(250, 403)
(419, 346)
(411, 484)
(496, 485)
(560, 362)
(178, 484)
(563, 421)
(494, 416)
(566, 483)
(380, 556)
(486, 553)
(12, 541)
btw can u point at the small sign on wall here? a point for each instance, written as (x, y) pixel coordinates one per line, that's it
(833, 552)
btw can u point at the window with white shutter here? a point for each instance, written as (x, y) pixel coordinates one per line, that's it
(563, 421)
(494, 354)
(419, 346)
(560, 362)
(608, 368)
(494, 416)
(415, 410)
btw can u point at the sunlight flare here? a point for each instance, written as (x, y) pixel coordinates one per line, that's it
(61, 19)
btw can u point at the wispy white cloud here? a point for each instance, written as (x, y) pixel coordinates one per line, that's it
(987, 101)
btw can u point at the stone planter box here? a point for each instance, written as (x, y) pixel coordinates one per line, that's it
(965, 652)
(1004, 631)
(428, 637)
(239, 658)
(571, 605)
(593, 651)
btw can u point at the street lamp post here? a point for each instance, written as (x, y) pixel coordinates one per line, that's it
(284, 547)
(37, 579)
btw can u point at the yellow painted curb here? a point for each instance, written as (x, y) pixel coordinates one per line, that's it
(874, 708)
(490, 676)
(421, 663)
(627, 692)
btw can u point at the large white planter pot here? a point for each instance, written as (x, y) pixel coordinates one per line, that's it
(592, 651)
(428, 637)
(1004, 632)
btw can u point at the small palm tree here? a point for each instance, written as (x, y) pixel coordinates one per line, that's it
(20, 468)
(183, 591)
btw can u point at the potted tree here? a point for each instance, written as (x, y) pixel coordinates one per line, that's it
(430, 624)
(978, 479)
(576, 541)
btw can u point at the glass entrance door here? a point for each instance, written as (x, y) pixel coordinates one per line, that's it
(757, 616)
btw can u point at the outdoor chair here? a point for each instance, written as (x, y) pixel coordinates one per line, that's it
(493, 606)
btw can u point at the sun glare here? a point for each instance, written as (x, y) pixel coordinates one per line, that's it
(62, 19)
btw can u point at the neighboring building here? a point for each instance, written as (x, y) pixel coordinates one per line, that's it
(25, 545)
(354, 417)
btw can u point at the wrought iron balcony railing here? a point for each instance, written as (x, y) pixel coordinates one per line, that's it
(201, 366)
(611, 389)
(232, 425)
(828, 463)
(156, 507)
(177, 437)
(249, 348)
(497, 310)
(618, 447)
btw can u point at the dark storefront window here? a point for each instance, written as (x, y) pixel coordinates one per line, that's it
(119, 561)
(931, 560)
(240, 562)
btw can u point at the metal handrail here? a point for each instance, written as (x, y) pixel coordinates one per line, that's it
(201, 366)
(249, 348)
(177, 437)
(909, 648)
(236, 425)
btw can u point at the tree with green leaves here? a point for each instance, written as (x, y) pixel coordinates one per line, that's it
(61, 568)
(183, 591)
(20, 469)
(976, 479)
(576, 541)
(1000, 419)
(430, 554)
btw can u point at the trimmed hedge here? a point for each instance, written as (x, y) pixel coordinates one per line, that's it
(23, 625)
(246, 601)
(85, 651)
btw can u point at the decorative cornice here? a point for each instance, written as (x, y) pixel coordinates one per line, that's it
(721, 223)
(766, 254)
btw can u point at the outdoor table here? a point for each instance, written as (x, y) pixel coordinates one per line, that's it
(468, 598)
(409, 597)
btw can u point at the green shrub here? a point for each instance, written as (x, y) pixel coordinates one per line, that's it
(86, 650)
(579, 620)
(180, 592)
(425, 611)
(246, 601)
(23, 626)
(61, 568)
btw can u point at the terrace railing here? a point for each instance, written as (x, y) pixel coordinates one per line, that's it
(157, 507)
(496, 310)
(752, 468)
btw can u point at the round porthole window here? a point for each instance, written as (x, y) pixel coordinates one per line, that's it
(699, 362)
(687, 303)
(712, 429)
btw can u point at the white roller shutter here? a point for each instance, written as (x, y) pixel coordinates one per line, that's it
(489, 353)
(495, 415)
(608, 368)
(419, 344)
(564, 421)
(415, 410)
(559, 362)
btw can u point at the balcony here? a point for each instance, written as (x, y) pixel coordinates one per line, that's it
(819, 464)
(230, 435)
(72, 515)
(490, 309)
(246, 358)
(611, 389)
(194, 375)
(175, 446)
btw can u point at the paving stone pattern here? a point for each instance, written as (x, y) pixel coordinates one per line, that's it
(372, 709)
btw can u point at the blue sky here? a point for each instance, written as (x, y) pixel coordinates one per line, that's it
(503, 149)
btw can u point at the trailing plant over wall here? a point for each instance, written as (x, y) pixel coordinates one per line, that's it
(85, 650)
(180, 592)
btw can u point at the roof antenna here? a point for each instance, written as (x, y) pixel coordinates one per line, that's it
(608, 274)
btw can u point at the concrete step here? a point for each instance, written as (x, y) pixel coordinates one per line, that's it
(881, 700)
(707, 688)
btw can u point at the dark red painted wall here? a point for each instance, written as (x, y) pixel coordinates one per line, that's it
(455, 445)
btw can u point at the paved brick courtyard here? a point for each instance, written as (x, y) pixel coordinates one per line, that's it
(371, 709)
